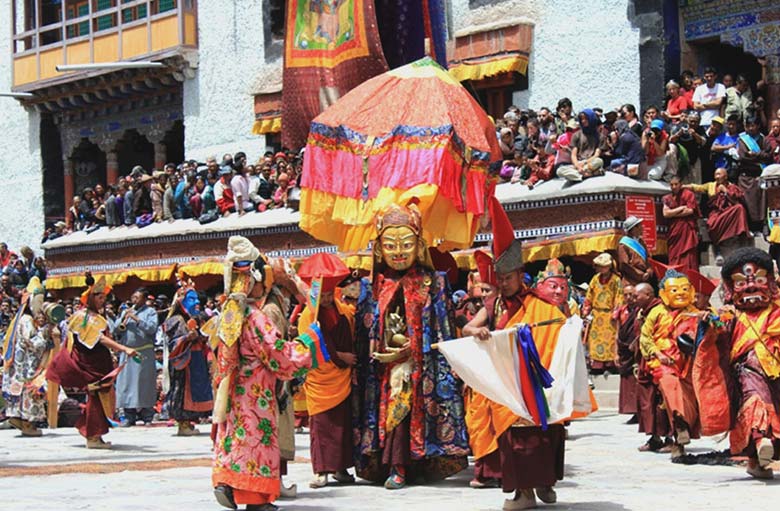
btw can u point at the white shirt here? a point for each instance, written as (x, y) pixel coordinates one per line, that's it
(703, 95)
(219, 189)
(240, 186)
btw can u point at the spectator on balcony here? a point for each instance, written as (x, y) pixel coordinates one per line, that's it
(100, 193)
(505, 142)
(628, 153)
(86, 208)
(73, 217)
(142, 201)
(707, 156)
(687, 87)
(739, 100)
(676, 104)
(223, 194)
(690, 135)
(727, 215)
(585, 150)
(169, 201)
(239, 184)
(60, 229)
(280, 195)
(112, 218)
(709, 97)
(655, 142)
(753, 155)
(181, 195)
(628, 114)
(5, 256)
(724, 148)
(772, 146)
(202, 199)
(563, 114)
(129, 200)
(258, 183)
(160, 180)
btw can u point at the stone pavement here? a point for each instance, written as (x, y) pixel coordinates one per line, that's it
(604, 472)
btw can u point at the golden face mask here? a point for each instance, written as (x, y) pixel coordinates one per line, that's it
(677, 293)
(399, 247)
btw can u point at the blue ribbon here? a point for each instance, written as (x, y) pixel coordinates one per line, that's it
(634, 245)
(540, 377)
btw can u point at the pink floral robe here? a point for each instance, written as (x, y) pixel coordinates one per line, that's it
(246, 451)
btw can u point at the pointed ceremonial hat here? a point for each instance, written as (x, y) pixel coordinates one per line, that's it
(324, 265)
(506, 249)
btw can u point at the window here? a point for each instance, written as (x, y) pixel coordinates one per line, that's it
(108, 20)
(165, 5)
(133, 13)
(76, 10)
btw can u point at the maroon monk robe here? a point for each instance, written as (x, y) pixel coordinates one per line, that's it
(77, 369)
(526, 454)
(331, 430)
(626, 342)
(500, 310)
(653, 419)
(728, 217)
(683, 238)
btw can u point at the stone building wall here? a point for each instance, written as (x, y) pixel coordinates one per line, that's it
(586, 51)
(218, 101)
(21, 179)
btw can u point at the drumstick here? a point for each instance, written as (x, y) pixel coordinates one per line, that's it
(546, 322)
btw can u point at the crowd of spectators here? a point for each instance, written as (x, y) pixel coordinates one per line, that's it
(204, 192)
(16, 270)
(704, 124)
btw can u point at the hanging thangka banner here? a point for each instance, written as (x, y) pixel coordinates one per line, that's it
(330, 47)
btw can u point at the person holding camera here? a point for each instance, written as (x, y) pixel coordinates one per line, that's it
(655, 142)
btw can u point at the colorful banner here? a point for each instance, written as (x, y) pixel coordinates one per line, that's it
(314, 297)
(330, 47)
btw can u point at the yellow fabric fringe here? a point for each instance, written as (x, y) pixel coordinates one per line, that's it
(263, 126)
(478, 71)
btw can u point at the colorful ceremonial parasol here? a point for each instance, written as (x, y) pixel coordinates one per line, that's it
(410, 132)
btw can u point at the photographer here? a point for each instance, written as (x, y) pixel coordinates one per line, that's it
(655, 142)
(690, 135)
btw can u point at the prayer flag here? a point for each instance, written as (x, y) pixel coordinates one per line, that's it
(315, 292)
(314, 340)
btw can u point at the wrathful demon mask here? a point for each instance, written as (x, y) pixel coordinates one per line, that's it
(749, 279)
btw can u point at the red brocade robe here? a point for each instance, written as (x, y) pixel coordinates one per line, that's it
(683, 238)
(738, 363)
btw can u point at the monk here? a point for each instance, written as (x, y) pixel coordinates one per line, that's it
(486, 420)
(743, 354)
(328, 387)
(625, 317)
(667, 343)
(633, 255)
(682, 212)
(651, 415)
(87, 363)
(531, 458)
(727, 218)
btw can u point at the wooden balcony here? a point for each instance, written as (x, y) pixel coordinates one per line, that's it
(94, 31)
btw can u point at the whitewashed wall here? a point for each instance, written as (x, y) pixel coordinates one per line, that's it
(21, 180)
(586, 51)
(218, 102)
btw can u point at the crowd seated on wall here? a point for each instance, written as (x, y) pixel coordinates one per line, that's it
(201, 191)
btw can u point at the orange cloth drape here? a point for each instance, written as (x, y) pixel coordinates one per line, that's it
(329, 385)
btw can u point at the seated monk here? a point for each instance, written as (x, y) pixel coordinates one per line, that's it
(728, 215)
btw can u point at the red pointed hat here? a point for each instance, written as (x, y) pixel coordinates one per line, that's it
(487, 273)
(506, 249)
(328, 266)
(443, 261)
(660, 268)
(701, 283)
